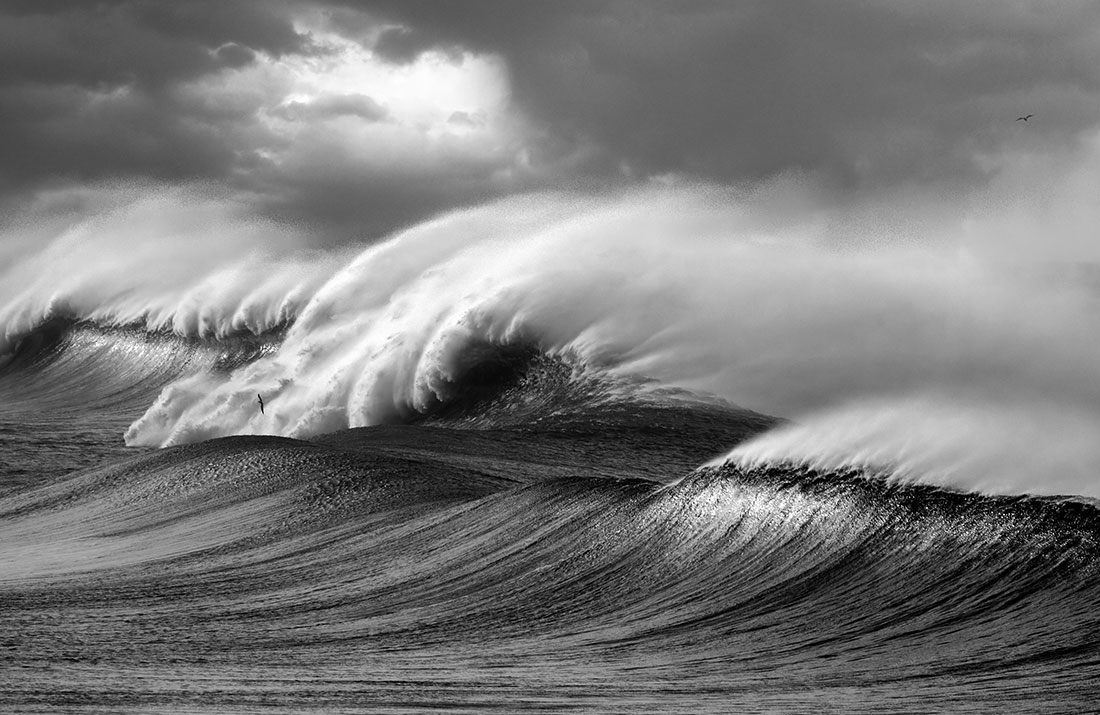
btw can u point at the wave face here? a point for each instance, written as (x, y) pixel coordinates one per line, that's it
(68, 390)
(519, 457)
(432, 567)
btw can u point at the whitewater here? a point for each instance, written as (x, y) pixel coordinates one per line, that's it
(936, 362)
(680, 447)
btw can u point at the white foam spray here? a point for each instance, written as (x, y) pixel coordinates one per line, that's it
(178, 259)
(937, 357)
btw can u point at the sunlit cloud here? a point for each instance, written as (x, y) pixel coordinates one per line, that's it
(337, 114)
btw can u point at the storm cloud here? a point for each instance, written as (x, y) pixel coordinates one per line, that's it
(303, 107)
(727, 90)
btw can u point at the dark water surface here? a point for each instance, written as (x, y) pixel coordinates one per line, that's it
(523, 549)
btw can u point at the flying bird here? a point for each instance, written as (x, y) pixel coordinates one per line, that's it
(1024, 119)
(261, 403)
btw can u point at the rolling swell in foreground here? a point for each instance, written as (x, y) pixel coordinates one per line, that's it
(532, 546)
(502, 467)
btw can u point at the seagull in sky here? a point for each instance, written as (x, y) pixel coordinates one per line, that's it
(1024, 119)
(261, 403)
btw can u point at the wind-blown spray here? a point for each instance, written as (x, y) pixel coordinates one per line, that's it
(931, 360)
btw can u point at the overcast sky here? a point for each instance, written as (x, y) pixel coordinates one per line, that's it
(353, 118)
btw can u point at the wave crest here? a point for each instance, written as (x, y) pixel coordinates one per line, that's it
(689, 289)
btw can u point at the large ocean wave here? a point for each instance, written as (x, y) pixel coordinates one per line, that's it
(955, 369)
(519, 458)
(388, 556)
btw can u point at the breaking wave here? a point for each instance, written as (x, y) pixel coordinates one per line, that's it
(502, 465)
(954, 369)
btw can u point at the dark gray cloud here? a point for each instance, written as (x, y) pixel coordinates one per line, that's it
(86, 88)
(130, 89)
(863, 91)
(860, 94)
(145, 43)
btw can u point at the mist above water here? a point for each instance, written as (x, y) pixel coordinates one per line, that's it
(174, 259)
(925, 350)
